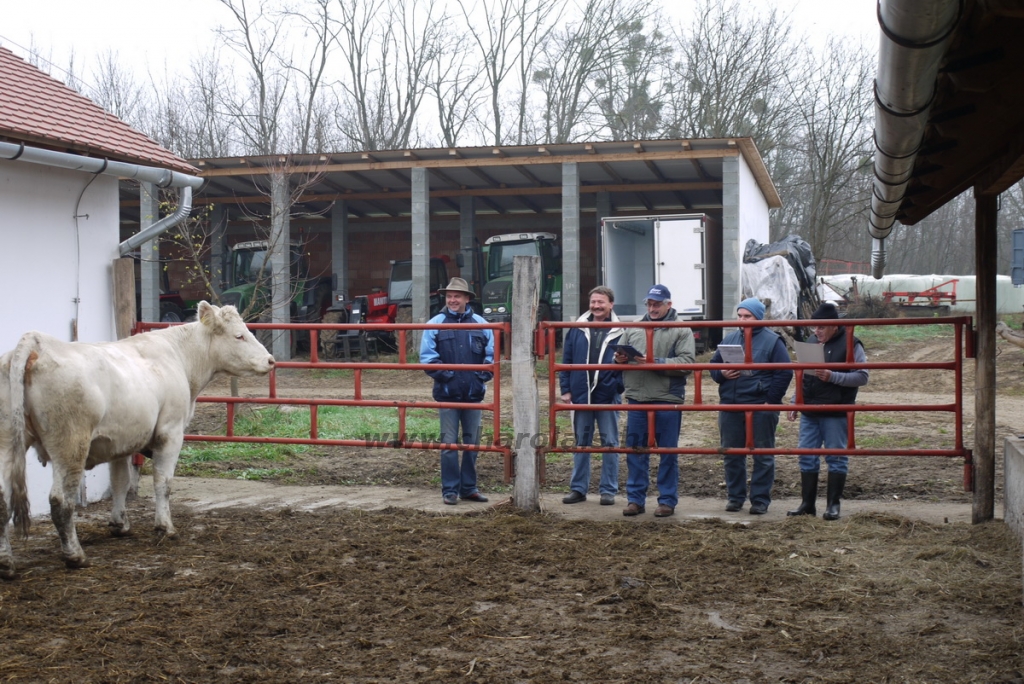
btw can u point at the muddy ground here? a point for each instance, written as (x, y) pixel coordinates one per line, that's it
(495, 596)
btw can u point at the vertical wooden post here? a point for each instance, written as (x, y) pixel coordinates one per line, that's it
(124, 319)
(983, 508)
(525, 397)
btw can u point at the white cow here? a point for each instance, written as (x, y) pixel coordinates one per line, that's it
(83, 404)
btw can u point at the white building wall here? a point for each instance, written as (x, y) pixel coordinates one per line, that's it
(49, 259)
(753, 207)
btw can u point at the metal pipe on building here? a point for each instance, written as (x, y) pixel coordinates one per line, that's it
(164, 178)
(915, 37)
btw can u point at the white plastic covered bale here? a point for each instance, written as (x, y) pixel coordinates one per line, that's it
(773, 278)
(1009, 299)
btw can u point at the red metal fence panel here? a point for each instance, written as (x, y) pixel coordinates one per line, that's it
(961, 327)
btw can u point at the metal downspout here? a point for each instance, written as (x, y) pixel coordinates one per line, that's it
(915, 37)
(164, 178)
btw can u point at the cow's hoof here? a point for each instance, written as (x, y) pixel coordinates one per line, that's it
(77, 563)
(7, 572)
(119, 530)
(165, 533)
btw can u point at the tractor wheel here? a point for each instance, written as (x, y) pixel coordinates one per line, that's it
(171, 313)
(329, 338)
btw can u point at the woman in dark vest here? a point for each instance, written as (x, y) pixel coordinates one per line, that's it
(828, 430)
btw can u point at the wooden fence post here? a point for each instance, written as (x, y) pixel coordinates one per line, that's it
(525, 398)
(124, 319)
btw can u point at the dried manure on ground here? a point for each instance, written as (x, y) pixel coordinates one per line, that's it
(250, 595)
(328, 595)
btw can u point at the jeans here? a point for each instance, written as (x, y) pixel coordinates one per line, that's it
(827, 431)
(608, 425)
(666, 434)
(456, 480)
(732, 427)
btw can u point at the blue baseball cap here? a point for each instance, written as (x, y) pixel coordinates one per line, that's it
(659, 293)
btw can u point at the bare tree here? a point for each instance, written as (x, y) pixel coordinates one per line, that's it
(320, 34)
(826, 187)
(257, 111)
(509, 35)
(631, 89)
(388, 47)
(455, 85)
(730, 79)
(573, 67)
(116, 90)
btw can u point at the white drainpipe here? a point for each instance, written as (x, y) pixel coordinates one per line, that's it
(164, 178)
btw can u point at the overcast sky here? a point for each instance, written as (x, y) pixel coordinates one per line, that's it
(153, 35)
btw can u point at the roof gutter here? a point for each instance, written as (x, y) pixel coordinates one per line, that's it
(163, 178)
(915, 37)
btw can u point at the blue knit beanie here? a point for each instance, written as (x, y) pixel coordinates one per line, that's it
(754, 306)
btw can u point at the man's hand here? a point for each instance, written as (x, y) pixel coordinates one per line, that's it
(621, 358)
(791, 416)
(567, 398)
(823, 374)
(731, 374)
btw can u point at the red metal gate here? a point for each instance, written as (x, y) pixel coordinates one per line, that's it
(961, 325)
(401, 331)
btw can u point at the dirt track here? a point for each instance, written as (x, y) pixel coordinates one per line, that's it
(341, 584)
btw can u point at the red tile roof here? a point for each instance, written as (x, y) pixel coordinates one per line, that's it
(39, 110)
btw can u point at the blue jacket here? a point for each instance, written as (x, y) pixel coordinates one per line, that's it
(761, 386)
(606, 385)
(458, 346)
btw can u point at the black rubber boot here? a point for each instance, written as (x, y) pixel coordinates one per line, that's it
(808, 492)
(836, 481)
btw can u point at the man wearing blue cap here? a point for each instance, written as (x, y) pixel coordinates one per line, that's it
(751, 387)
(671, 345)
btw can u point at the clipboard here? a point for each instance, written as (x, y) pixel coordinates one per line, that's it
(733, 353)
(629, 350)
(809, 352)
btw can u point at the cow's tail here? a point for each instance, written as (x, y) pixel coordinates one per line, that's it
(22, 360)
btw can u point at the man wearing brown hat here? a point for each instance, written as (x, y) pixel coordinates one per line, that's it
(817, 429)
(450, 346)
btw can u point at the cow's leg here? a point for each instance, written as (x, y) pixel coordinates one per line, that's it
(120, 478)
(164, 460)
(63, 496)
(6, 554)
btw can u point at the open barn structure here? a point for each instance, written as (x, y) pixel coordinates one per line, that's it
(358, 211)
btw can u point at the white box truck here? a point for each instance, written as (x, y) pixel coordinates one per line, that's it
(682, 252)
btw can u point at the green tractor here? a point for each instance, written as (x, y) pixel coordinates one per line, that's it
(248, 279)
(496, 298)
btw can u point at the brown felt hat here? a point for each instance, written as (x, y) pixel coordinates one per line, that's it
(458, 285)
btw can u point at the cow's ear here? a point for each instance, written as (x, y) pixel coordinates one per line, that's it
(206, 312)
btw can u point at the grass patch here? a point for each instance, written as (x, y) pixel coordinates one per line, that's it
(891, 335)
(888, 441)
(874, 419)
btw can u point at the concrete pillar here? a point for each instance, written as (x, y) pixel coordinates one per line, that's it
(420, 247)
(280, 233)
(149, 263)
(732, 250)
(603, 202)
(218, 247)
(570, 241)
(467, 242)
(339, 250)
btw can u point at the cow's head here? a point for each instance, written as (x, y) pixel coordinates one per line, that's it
(233, 349)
